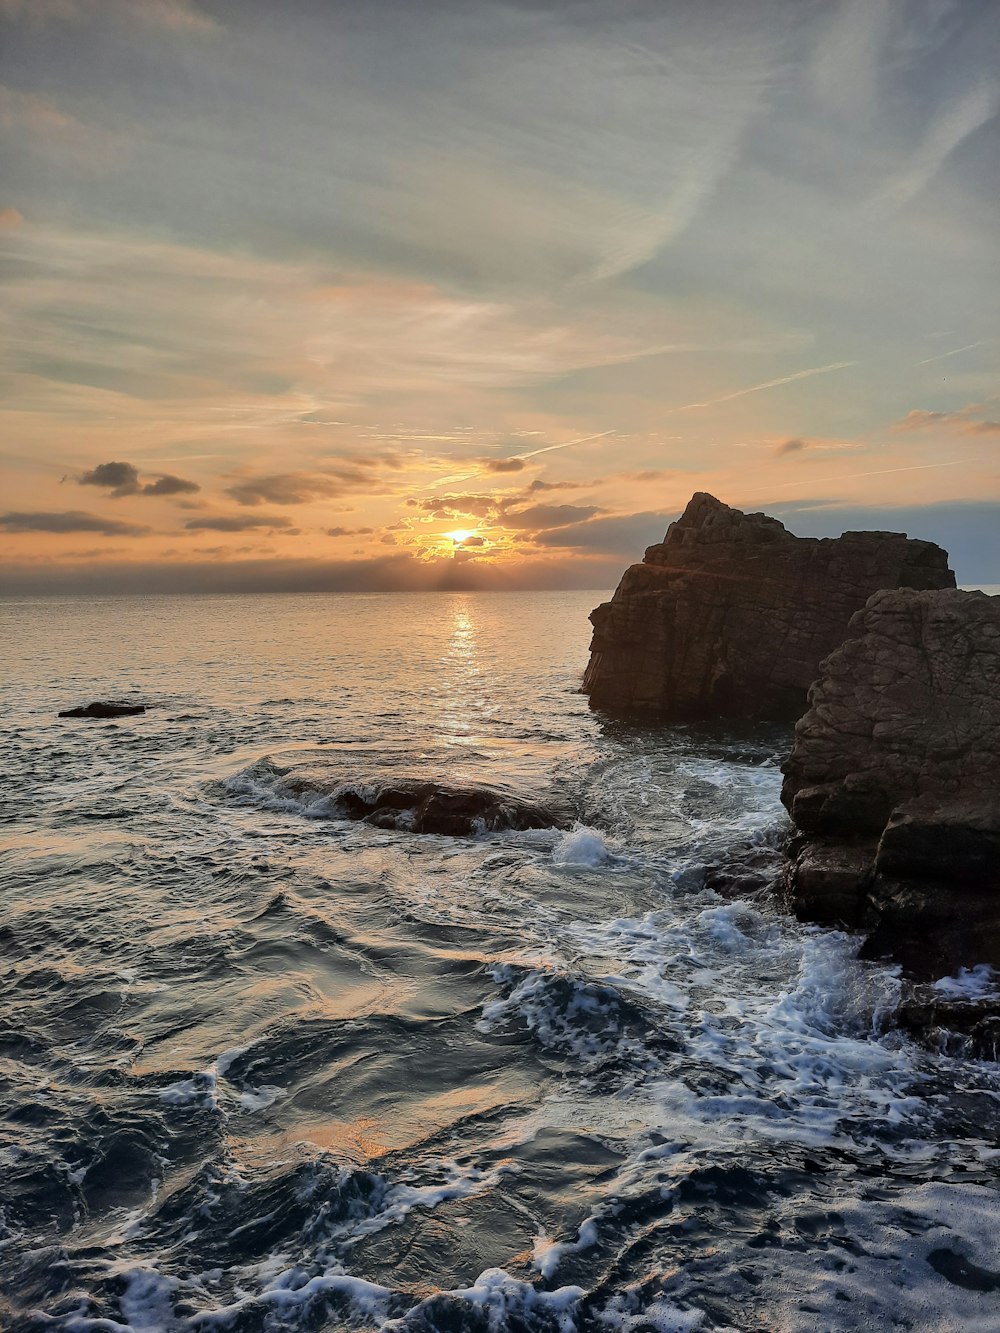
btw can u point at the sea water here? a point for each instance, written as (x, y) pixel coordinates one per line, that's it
(263, 1068)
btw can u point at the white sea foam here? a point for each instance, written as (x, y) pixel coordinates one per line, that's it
(970, 983)
(582, 846)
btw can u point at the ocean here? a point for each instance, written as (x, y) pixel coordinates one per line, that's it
(265, 1068)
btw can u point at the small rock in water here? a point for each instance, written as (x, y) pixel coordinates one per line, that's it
(104, 708)
(427, 807)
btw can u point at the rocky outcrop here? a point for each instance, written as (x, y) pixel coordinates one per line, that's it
(894, 781)
(106, 708)
(731, 615)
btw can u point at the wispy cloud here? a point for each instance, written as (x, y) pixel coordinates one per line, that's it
(964, 421)
(973, 109)
(173, 15)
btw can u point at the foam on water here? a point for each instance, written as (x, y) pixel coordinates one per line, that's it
(970, 983)
(263, 1068)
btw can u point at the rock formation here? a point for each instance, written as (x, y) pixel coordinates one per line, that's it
(105, 708)
(894, 781)
(731, 615)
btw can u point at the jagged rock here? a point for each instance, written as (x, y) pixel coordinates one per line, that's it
(731, 614)
(894, 777)
(105, 708)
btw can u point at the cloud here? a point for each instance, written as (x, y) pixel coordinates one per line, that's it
(173, 15)
(969, 530)
(962, 421)
(463, 505)
(122, 479)
(539, 485)
(37, 124)
(349, 532)
(973, 109)
(790, 447)
(625, 535)
(236, 522)
(70, 520)
(296, 488)
(170, 485)
(549, 516)
(473, 541)
(503, 464)
(394, 571)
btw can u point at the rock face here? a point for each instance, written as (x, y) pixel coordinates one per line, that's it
(731, 615)
(104, 708)
(894, 780)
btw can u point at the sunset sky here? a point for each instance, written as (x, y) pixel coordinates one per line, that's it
(294, 292)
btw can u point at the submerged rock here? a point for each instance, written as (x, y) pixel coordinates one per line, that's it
(894, 780)
(429, 804)
(731, 614)
(429, 807)
(105, 708)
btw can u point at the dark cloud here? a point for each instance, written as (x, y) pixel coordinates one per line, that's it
(296, 488)
(503, 464)
(392, 572)
(969, 530)
(119, 478)
(170, 485)
(473, 541)
(626, 535)
(70, 520)
(790, 447)
(236, 522)
(349, 532)
(123, 479)
(559, 486)
(549, 516)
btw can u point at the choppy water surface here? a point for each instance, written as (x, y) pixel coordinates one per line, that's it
(262, 1068)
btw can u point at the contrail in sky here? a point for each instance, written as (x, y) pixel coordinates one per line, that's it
(770, 384)
(464, 476)
(549, 447)
(879, 472)
(954, 352)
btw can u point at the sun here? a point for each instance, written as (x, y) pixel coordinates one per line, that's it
(461, 535)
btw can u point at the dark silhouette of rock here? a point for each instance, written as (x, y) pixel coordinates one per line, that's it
(731, 615)
(106, 708)
(894, 779)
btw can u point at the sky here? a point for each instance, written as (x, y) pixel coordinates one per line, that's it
(331, 294)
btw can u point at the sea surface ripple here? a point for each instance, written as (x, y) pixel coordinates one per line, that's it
(262, 1068)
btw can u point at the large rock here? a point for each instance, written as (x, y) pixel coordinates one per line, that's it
(731, 615)
(894, 779)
